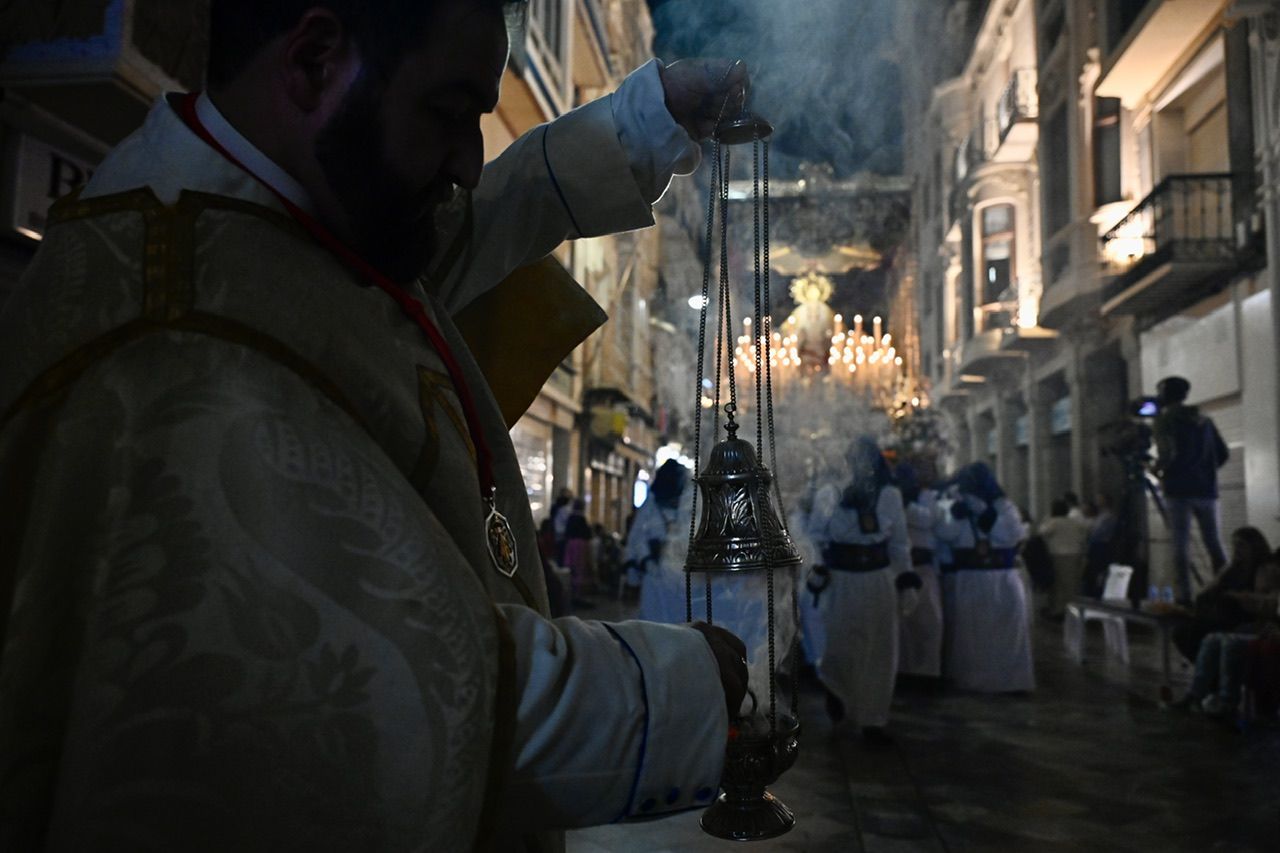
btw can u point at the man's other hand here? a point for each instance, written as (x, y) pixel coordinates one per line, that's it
(699, 92)
(731, 656)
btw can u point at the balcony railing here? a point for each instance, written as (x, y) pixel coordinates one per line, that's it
(1168, 247)
(1185, 218)
(1018, 102)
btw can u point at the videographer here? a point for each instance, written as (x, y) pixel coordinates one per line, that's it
(1190, 452)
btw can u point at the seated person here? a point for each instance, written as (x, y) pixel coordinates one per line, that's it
(1214, 610)
(1221, 659)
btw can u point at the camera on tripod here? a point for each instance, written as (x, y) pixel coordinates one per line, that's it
(1131, 438)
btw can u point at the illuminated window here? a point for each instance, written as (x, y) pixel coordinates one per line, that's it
(997, 252)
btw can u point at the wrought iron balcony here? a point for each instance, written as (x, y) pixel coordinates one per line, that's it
(1177, 241)
(1018, 102)
(1016, 128)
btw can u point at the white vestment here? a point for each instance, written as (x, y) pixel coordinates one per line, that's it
(920, 638)
(860, 609)
(988, 635)
(251, 601)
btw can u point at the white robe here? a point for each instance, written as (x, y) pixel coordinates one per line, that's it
(738, 600)
(920, 638)
(988, 629)
(662, 581)
(860, 611)
(252, 598)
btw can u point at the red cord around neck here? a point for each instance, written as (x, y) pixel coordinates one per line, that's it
(186, 109)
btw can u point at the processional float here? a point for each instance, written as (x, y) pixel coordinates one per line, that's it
(741, 538)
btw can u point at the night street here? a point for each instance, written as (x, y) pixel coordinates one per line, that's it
(1089, 762)
(440, 426)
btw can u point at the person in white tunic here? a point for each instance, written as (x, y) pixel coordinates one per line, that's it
(254, 592)
(865, 549)
(989, 639)
(920, 646)
(655, 568)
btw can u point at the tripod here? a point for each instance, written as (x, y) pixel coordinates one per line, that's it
(1132, 539)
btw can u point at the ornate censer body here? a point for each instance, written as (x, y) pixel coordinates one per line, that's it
(739, 529)
(740, 534)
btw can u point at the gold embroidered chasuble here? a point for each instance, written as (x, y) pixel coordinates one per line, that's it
(246, 593)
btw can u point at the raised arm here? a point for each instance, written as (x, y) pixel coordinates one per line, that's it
(593, 171)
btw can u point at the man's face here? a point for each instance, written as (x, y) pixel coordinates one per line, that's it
(398, 145)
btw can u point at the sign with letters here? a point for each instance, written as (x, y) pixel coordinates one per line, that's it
(41, 175)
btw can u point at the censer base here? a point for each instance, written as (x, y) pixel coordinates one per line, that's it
(747, 820)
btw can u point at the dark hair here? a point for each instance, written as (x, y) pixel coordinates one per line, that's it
(669, 482)
(385, 30)
(1174, 389)
(1058, 508)
(1071, 499)
(1257, 542)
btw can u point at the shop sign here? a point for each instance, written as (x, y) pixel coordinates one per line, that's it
(609, 424)
(41, 175)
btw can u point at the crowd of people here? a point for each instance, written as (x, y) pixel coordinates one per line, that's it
(1069, 552)
(579, 559)
(910, 580)
(914, 580)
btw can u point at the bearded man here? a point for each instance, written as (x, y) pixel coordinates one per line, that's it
(268, 575)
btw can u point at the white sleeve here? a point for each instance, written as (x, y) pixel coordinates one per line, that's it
(922, 516)
(824, 507)
(946, 528)
(573, 177)
(1008, 530)
(894, 518)
(656, 146)
(614, 721)
(642, 529)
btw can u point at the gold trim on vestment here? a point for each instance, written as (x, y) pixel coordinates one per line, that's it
(520, 331)
(66, 371)
(168, 306)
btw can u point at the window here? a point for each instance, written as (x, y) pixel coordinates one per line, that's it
(1055, 172)
(1106, 151)
(547, 17)
(997, 269)
(547, 34)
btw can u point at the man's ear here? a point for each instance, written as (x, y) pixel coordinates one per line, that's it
(318, 59)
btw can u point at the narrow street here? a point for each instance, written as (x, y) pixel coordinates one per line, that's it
(1088, 762)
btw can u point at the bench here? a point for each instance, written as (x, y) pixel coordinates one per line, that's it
(1082, 607)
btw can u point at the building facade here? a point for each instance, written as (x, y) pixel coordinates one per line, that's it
(1093, 215)
(78, 76)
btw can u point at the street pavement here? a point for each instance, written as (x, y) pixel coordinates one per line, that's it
(1088, 762)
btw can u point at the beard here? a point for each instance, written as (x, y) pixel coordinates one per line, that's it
(391, 228)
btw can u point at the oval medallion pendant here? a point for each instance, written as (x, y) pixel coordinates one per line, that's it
(501, 542)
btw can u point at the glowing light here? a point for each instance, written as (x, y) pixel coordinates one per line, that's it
(697, 302)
